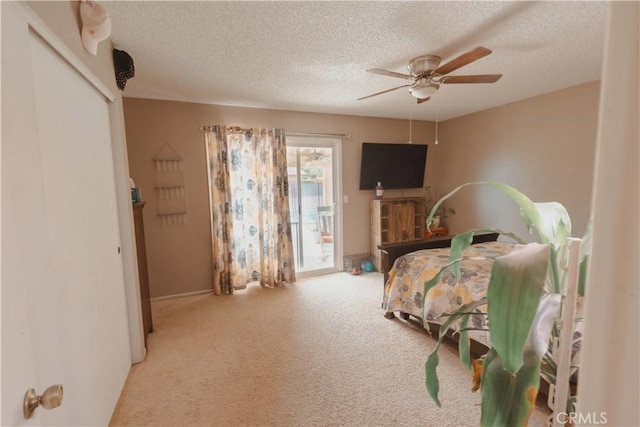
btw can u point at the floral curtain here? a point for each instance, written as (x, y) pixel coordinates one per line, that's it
(251, 229)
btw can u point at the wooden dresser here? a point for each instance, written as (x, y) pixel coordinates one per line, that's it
(143, 273)
(393, 221)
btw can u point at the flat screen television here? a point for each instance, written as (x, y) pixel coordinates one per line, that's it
(394, 165)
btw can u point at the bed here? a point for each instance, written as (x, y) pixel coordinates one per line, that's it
(408, 266)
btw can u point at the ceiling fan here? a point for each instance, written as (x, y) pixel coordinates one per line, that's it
(426, 74)
(314, 155)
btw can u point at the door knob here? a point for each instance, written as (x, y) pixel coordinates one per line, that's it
(51, 398)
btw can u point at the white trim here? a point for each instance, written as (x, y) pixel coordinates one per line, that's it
(186, 294)
(567, 319)
(337, 190)
(39, 27)
(127, 232)
(317, 272)
(608, 375)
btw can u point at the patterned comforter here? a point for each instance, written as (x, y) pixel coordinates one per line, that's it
(405, 287)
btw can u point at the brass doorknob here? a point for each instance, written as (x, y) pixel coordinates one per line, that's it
(51, 398)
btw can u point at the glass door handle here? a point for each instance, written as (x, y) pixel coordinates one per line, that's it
(50, 399)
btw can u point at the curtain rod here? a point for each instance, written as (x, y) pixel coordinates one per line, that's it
(325, 135)
(333, 135)
(234, 128)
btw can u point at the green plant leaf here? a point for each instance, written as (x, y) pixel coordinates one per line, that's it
(554, 222)
(466, 311)
(433, 282)
(516, 284)
(549, 219)
(474, 329)
(463, 344)
(585, 252)
(459, 243)
(436, 278)
(521, 316)
(509, 400)
(501, 393)
(528, 210)
(582, 277)
(546, 315)
(432, 382)
(462, 241)
(431, 365)
(555, 274)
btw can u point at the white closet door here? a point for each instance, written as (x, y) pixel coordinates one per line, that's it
(64, 316)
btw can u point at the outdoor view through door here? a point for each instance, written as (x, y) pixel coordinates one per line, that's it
(312, 205)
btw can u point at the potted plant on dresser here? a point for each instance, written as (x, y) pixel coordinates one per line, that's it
(434, 224)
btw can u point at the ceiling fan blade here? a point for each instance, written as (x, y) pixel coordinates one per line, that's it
(389, 73)
(480, 78)
(384, 91)
(462, 60)
(421, 100)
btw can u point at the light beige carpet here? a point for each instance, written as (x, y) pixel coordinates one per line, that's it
(319, 353)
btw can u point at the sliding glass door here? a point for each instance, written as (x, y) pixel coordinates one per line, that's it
(312, 164)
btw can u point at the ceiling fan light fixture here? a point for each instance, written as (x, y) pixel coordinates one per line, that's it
(424, 90)
(426, 74)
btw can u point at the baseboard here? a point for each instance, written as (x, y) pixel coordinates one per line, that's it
(186, 294)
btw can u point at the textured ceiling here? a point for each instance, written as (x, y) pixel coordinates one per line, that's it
(312, 55)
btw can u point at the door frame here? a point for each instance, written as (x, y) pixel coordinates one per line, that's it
(121, 172)
(335, 143)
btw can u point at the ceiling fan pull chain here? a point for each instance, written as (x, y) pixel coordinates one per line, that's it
(436, 122)
(410, 117)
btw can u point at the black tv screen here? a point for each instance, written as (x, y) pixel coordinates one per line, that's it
(394, 165)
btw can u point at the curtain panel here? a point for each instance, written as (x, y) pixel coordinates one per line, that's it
(251, 228)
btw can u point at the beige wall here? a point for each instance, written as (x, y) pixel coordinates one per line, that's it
(179, 257)
(544, 146)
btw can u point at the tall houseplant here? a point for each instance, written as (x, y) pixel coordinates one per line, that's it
(523, 303)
